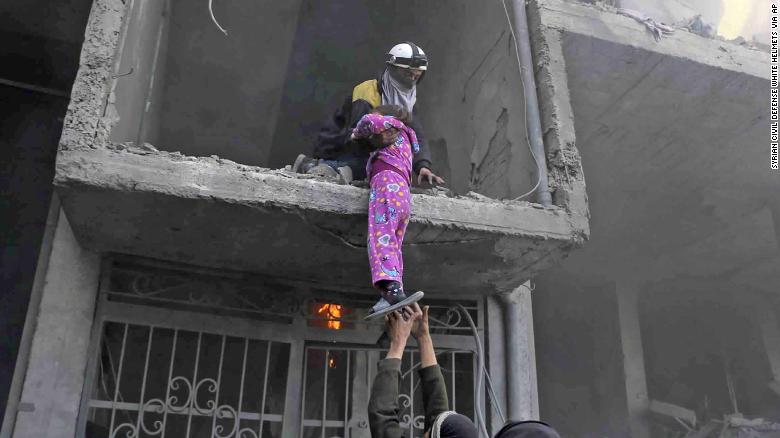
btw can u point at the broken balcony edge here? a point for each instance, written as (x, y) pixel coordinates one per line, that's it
(219, 180)
(212, 212)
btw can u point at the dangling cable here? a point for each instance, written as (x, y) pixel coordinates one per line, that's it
(483, 373)
(211, 12)
(480, 379)
(525, 124)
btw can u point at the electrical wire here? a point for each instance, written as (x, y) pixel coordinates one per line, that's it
(482, 375)
(525, 111)
(494, 398)
(214, 19)
(481, 378)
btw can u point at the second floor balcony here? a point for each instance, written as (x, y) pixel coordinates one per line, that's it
(177, 137)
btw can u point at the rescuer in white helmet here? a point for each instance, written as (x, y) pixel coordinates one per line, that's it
(336, 153)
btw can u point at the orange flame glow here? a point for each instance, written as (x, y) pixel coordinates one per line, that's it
(333, 312)
(331, 363)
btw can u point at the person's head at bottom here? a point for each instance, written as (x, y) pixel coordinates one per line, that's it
(527, 429)
(451, 424)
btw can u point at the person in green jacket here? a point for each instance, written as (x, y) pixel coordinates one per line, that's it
(383, 408)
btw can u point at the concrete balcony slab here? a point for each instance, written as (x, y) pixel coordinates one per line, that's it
(216, 213)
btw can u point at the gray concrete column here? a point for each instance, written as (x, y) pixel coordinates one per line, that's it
(495, 351)
(770, 334)
(633, 358)
(361, 387)
(55, 375)
(521, 387)
(25, 343)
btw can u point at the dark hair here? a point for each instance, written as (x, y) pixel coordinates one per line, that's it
(396, 111)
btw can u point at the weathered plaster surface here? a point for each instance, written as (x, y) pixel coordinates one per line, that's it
(565, 176)
(55, 375)
(470, 101)
(84, 126)
(214, 212)
(672, 134)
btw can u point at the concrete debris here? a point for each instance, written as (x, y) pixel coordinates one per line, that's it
(752, 44)
(732, 426)
(697, 26)
(603, 5)
(672, 411)
(286, 172)
(143, 149)
(657, 28)
(148, 147)
(433, 191)
(476, 196)
(567, 160)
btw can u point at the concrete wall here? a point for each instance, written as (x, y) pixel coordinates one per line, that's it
(31, 125)
(141, 62)
(470, 101)
(337, 45)
(673, 11)
(222, 93)
(55, 375)
(260, 95)
(40, 46)
(476, 103)
(579, 358)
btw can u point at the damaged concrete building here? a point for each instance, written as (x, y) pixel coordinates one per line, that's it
(189, 285)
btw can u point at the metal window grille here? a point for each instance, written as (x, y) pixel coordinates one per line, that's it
(338, 381)
(160, 382)
(197, 354)
(258, 298)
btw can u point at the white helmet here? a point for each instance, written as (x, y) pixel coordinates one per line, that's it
(407, 55)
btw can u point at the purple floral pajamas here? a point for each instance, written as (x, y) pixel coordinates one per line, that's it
(389, 208)
(389, 205)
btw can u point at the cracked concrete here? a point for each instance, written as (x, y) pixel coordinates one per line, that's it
(211, 211)
(603, 74)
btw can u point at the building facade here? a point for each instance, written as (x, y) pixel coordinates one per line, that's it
(190, 286)
(213, 296)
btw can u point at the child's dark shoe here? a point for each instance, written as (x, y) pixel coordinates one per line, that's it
(383, 306)
(392, 292)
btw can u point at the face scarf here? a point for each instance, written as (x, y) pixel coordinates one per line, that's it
(451, 424)
(397, 89)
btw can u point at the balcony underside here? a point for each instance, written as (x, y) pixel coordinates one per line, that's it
(674, 136)
(216, 213)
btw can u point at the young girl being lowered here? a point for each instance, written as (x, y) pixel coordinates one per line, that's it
(389, 171)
